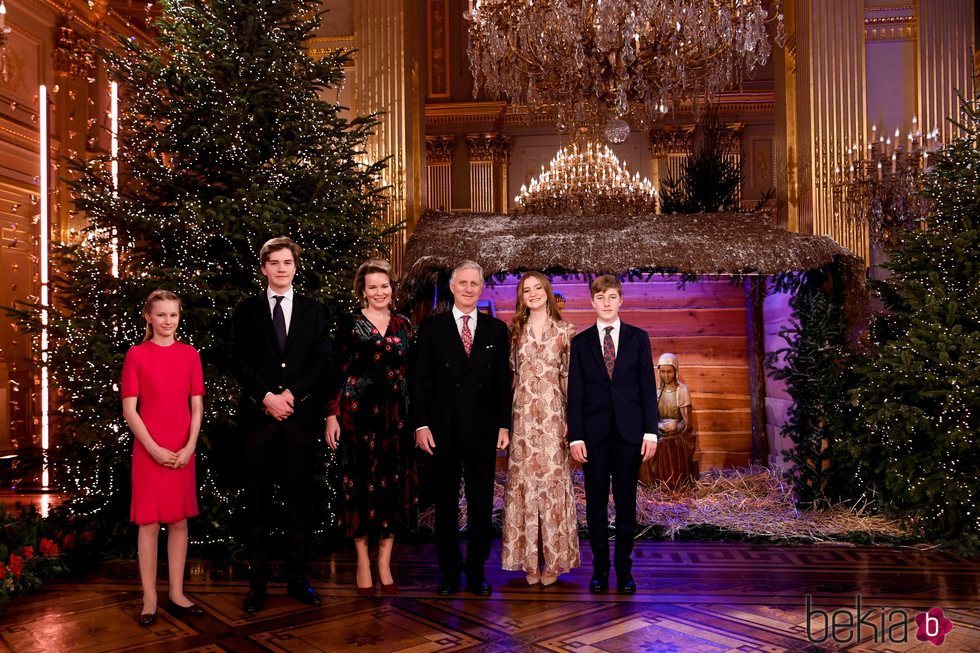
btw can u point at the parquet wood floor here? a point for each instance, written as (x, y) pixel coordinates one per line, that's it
(701, 597)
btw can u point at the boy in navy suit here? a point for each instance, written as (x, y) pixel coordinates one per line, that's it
(612, 426)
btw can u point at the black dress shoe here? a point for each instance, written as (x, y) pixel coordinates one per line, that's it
(479, 587)
(598, 584)
(302, 592)
(148, 619)
(254, 600)
(626, 586)
(447, 587)
(192, 610)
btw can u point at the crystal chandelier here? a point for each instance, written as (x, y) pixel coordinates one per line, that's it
(586, 180)
(597, 61)
(881, 182)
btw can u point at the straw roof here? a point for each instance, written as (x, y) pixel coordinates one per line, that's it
(698, 244)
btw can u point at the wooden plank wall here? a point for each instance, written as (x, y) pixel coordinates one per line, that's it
(705, 325)
(777, 315)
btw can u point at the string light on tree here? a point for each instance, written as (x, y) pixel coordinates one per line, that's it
(221, 144)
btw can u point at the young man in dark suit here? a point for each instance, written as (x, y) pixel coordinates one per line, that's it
(282, 353)
(612, 426)
(461, 403)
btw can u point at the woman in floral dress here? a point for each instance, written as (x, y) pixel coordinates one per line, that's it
(366, 424)
(540, 534)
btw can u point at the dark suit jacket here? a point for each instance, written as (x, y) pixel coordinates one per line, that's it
(629, 398)
(464, 401)
(261, 367)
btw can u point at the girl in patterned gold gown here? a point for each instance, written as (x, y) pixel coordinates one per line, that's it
(539, 528)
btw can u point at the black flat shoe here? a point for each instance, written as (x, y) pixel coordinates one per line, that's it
(480, 588)
(302, 592)
(148, 619)
(192, 610)
(598, 584)
(447, 587)
(626, 586)
(254, 600)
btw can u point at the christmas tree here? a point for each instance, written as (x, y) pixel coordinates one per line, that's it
(817, 366)
(226, 141)
(711, 179)
(920, 401)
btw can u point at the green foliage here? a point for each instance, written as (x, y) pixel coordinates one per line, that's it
(921, 400)
(817, 367)
(711, 179)
(34, 549)
(226, 140)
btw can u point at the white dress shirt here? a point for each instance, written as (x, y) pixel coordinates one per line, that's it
(458, 317)
(287, 304)
(616, 328)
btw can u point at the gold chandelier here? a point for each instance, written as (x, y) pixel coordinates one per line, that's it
(587, 180)
(595, 62)
(881, 182)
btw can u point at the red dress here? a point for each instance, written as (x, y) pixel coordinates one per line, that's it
(164, 379)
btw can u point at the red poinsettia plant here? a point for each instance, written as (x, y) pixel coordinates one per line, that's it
(32, 550)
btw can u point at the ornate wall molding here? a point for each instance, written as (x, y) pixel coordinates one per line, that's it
(323, 45)
(731, 138)
(489, 148)
(488, 156)
(437, 28)
(15, 134)
(439, 152)
(73, 54)
(671, 140)
(890, 23)
(439, 149)
(456, 113)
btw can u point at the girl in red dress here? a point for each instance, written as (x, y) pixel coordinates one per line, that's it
(163, 402)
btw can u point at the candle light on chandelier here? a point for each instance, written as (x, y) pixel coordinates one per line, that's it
(882, 181)
(586, 180)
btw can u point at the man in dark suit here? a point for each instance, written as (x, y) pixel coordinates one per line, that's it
(282, 353)
(461, 401)
(612, 426)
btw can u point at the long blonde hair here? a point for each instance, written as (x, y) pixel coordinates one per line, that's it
(522, 313)
(157, 296)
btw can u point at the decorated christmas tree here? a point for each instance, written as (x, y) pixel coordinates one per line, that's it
(226, 140)
(920, 401)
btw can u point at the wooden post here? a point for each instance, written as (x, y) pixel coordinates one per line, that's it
(755, 293)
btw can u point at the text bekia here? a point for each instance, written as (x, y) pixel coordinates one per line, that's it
(844, 625)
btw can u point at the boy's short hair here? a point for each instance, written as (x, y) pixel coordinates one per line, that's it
(275, 244)
(604, 283)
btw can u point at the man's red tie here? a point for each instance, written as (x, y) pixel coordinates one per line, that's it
(467, 335)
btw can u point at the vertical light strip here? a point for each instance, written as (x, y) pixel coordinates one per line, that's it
(114, 127)
(45, 299)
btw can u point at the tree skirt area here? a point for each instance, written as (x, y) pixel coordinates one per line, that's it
(752, 502)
